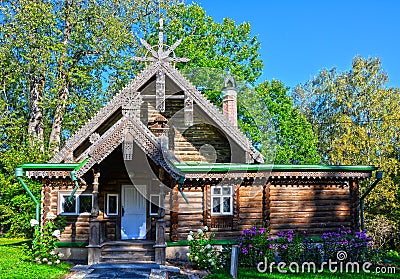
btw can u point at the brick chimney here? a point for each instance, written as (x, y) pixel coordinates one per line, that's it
(229, 103)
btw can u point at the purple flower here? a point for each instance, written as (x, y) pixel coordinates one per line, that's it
(262, 230)
(250, 246)
(281, 234)
(270, 246)
(261, 253)
(304, 232)
(244, 251)
(289, 239)
(284, 247)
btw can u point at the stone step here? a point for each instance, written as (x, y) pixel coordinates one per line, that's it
(127, 249)
(124, 258)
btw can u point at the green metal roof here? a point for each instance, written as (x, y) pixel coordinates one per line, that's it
(221, 167)
(225, 167)
(49, 166)
(60, 166)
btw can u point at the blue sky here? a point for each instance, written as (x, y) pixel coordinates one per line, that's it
(298, 38)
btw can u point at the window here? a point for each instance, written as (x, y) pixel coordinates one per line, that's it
(81, 203)
(112, 204)
(154, 204)
(222, 200)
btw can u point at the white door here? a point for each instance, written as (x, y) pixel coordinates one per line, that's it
(133, 221)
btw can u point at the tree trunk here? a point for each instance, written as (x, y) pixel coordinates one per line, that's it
(63, 92)
(35, 126)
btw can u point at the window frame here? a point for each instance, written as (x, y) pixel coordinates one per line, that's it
(77, 196)
(158, 205)
(221, 197)
(108, 205)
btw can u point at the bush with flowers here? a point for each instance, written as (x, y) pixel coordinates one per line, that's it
(358, 246)
(296, 246)
(289, 245)
(201, 251)
(254, 245)
(43, 248)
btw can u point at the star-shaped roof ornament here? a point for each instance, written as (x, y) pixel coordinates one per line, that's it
(160, 54)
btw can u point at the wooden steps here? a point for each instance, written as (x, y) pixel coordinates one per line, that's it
(138, 251)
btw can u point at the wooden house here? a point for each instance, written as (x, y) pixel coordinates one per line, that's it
(160, 160)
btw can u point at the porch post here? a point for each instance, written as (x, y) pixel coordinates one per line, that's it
(95, 231)
(160, 245)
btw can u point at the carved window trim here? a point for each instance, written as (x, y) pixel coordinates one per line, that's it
(108, 213)
(61, 201)
(157, 204)
(221, 197)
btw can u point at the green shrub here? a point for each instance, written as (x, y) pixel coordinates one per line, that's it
(43, 247)
(202, 252)
(254, 245)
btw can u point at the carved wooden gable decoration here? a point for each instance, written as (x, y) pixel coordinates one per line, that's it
(119, 122)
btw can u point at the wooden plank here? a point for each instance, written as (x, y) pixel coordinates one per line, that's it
(250, 215)
(251, 210)
(308, 198)
(281, 214)
(309, 225)
(300, 220)
(294, 191)
(308, 209)
(308, 203)
(322, 187)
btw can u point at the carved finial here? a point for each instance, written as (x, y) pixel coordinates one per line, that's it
(229, 81)
(161, 21)
(94, 137)
(160, 54)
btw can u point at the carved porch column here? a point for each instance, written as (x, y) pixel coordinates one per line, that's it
(95, 231)
(160, 245)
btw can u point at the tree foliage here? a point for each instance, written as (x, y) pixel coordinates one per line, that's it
(61, 60)
(356, 117)
(294, 139)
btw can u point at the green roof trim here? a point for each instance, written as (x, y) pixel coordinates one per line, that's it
(225, 167)
(213, 242)
(71, 244)
(49, 166)
(60, 166)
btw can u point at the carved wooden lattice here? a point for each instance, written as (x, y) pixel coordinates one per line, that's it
(188, 110)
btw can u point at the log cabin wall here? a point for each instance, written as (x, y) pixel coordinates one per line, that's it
(186, 145)
(316, 207)
(77, 226)
(313, 208)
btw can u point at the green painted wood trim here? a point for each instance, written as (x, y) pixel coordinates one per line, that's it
(223, 167)
(72, 244)
(49, 166)
(61, 166)
(186, 243)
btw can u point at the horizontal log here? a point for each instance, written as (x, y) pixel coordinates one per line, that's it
(243, 210)
(308, 214)
(186, 218)
(76, 231)
(258, 198)
(300, 220)
(321, 187)
(244, 215)
(309, 225)
(308, 203)
(308, 209)
(308, 198)
(251, 203)
(301, 191)
(317, 231)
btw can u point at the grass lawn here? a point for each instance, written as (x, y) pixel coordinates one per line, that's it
(253, 274)
(13, 266)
